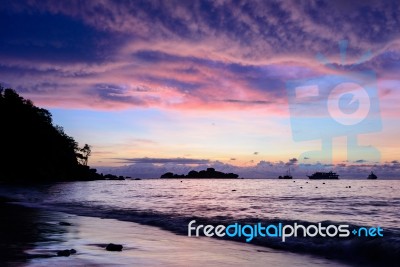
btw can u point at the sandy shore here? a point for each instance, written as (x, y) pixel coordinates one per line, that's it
(32, 237)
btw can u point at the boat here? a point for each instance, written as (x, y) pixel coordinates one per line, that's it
(324, 175)
(372, 175)
(286, 176)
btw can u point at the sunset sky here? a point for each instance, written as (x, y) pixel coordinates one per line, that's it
(160, 85)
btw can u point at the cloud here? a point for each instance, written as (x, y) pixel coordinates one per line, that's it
(146, 160)
(257, 102)
(179, 55)
(292, 161)
(197, 56)
(52, 38)
(153, 168)
(360, 161)
(114, 93)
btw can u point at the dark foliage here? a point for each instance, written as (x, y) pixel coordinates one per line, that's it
(33, 148)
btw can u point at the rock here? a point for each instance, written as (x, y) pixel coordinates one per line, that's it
(66, 252)
(64, 223)
(114, 247)
(63, 253)
(113, 177)
(233, 190)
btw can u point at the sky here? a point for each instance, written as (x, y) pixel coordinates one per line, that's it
(244, 86)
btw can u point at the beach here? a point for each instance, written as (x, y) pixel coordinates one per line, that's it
(150, 219)
(199, 133)
(32, 237)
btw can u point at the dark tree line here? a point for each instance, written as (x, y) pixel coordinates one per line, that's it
(33, 148)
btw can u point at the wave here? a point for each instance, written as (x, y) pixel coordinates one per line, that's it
(365, 251)
(383, 251)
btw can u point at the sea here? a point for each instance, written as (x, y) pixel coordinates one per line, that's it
(171, 204)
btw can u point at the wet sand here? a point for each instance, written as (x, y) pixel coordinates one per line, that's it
(32, 237)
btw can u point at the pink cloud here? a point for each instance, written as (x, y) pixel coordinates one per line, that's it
(281, 38)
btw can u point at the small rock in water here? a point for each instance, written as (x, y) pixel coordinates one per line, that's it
(301, 187)
(64, 223)
(316, 187)
(233, 190)
(66, 252)
(323, 183)
(114, 247)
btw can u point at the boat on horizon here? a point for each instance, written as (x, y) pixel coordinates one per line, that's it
(324, 175)
(372, 176)
(286, 176)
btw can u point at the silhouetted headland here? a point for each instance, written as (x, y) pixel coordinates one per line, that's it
(209, 173)
(36, 150)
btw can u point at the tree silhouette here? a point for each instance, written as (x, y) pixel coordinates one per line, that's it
(33, 149)
(83, 157)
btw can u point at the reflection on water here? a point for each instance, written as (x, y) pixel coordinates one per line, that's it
(170, 203)
(143, 245)
(22, 229)
(365, 203)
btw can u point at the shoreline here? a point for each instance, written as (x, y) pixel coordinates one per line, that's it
(32, 237)
(72, 198)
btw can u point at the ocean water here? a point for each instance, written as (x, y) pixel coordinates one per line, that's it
(171, 204)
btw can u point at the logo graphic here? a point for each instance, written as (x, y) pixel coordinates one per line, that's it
(344, 103)
(280, 230)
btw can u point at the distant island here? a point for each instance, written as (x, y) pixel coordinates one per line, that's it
(35, 150)
(209, 173)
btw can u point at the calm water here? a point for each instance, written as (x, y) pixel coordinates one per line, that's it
(170, 204)
(368, 203)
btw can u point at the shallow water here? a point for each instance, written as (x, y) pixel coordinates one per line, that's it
(171, 204)
(147, 246)
(365, 203)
